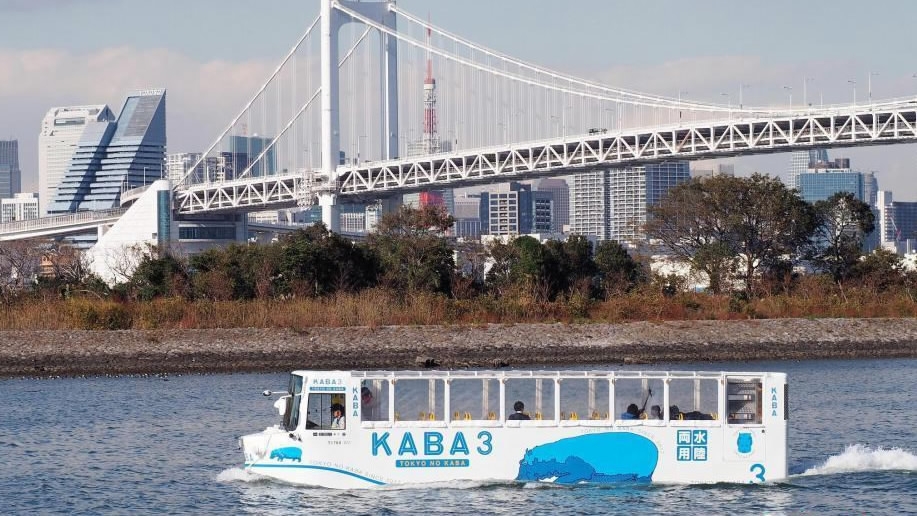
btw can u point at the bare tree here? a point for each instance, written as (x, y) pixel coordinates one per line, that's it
(20, 263)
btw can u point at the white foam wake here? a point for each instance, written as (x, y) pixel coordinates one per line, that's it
(858, 457)
(237, 475)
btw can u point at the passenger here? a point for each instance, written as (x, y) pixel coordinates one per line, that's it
(674, 413)
(655, 412)
(518, 415)
(632, 412)
(337, 417)
(367, 404)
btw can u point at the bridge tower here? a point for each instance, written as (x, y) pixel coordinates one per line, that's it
(331, 22)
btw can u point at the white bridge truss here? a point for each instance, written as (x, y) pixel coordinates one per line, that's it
(879, 124)
(251, 194)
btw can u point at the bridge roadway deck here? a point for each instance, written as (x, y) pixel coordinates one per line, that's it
(876, 124)
(59, 225)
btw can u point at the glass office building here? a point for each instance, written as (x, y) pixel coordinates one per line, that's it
(10, 175)
(802, 161)
(825, 179)
(115, 155)
(61, 131)
(560, 191)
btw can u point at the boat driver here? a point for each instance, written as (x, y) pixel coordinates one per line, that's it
(337, 417)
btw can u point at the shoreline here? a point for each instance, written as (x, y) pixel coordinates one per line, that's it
(52, 353)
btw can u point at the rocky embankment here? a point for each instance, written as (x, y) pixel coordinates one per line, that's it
(73, 353)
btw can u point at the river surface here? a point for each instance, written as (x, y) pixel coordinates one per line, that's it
(168, 445)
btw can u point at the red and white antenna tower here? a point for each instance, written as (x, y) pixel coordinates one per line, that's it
(430, 135)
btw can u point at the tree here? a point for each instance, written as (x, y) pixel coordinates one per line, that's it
(843, 221)
(316, 262)
(725, 226)
(774, 227)
(412, 249)
(234, 272)
(572, 264)
(471, 269)
(880, 270)
(159, 273)
(617, 270)
(19, 266)
(692, 223)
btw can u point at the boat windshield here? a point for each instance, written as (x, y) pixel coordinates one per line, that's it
(291, 414)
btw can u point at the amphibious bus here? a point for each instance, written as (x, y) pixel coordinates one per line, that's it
(358, 429)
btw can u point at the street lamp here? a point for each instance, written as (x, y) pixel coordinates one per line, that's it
(358, 146)
(606, 123)
(871, 74)
(789, 90)
(556, 119)
(854, 84)
(805, 94)
(502, 126)
(565, 119)
(741, 88)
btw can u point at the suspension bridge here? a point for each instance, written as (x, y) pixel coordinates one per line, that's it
(373, 102)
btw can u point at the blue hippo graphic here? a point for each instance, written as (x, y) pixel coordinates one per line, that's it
(292, 453)
(744, 442)
(596, 458)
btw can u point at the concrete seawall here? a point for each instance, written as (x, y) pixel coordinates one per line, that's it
(73, 353)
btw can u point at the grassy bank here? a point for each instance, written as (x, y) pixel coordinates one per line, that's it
(377, 307)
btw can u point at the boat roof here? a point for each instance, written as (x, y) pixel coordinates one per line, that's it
(534, 373)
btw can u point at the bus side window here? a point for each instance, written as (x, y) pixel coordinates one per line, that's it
(693, 398)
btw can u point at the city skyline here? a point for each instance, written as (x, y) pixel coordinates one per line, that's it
(63, 64)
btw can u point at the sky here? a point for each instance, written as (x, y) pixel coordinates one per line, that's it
(212, 55)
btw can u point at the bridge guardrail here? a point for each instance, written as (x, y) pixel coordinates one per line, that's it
(59, 220)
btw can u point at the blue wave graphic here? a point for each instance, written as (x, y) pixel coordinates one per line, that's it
(323, 468)
(604, 458)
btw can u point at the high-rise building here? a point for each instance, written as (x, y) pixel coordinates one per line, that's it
(10, 175)
(542, 212)
(633, 190)
(444, 198)
(110, 156)
(721, 169)
(507, 210)
(243, 154)
(178, 164)
(897, 222)
(612, 204)
(467, 216)
(61, 130)
(824, 179)
(22, 206)
(870, 188)
(560, 191)
(590, 208)
(800, 161)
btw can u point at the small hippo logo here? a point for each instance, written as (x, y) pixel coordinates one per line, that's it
(744, 442)
(292, 453)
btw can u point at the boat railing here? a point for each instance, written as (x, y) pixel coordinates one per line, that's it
(435, 374)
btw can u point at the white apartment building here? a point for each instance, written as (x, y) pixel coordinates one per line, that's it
(612, 204)
(22, 206)
(61, 130)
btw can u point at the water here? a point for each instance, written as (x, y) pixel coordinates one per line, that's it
(114, 445)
